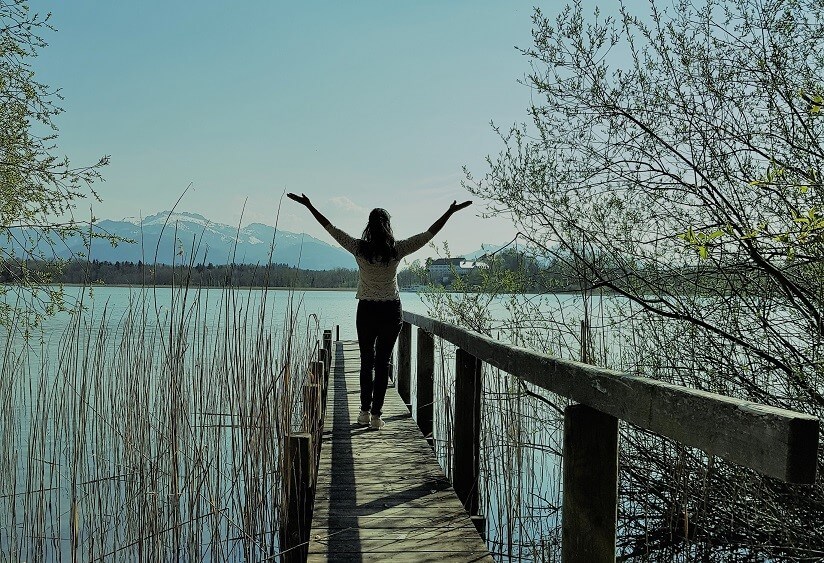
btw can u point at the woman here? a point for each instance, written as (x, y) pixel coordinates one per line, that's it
(379, 316)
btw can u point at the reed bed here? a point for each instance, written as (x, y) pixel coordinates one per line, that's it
(151, 431)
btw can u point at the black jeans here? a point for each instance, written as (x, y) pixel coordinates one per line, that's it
(379, 324)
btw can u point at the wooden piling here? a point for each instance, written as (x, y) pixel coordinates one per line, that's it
(425, 382)
(467, 429)
(405, 363)
(321, 377)
(298, 498)
(327, 347)
(590, 496)
(323, 356)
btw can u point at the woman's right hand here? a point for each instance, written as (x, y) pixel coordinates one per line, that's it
(302, 199)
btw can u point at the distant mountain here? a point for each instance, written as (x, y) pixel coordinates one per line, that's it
(173, 237)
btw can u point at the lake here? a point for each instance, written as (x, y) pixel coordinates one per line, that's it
(333, 307)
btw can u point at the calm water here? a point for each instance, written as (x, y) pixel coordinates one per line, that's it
(332, 307)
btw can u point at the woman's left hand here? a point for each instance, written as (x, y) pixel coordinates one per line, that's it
(458, 206)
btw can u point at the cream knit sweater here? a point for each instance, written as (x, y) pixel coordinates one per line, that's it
(378, 281)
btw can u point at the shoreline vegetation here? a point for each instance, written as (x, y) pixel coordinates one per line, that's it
(510, 272)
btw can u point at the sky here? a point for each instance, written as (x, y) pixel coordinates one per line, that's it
(356, 104)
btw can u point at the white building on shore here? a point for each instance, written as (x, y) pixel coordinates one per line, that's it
(443, 270)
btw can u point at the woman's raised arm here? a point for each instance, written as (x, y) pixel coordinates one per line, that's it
(303, 200)
(438, 225)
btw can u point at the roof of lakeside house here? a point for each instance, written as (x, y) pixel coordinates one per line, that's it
(447, 261)
(461, 263)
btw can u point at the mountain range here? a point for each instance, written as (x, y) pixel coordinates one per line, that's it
(176, 236)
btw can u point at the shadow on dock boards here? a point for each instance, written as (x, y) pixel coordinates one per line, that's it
(341, 502)
(344, 510)
(380, 494)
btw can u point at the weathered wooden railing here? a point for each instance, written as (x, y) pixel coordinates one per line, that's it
(777, 442)
(300, 456)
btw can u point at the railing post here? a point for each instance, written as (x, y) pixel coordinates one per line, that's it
(590, 498)
(467, 429)
(404, 374)
(425, 381)
(297, 520)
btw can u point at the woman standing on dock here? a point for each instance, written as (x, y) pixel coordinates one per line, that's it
(379, 316)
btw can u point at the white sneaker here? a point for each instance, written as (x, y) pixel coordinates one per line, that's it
(376, 423)
(363, 418)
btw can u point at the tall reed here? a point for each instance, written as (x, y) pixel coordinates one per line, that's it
(150, 431)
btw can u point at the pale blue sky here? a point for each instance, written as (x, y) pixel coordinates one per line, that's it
(358, 104)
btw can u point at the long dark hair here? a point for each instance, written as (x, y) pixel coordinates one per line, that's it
(377, 243)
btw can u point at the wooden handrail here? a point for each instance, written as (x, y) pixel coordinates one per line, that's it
(777, 442)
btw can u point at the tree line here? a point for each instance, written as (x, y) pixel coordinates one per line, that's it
(509, 271)
(202, 275)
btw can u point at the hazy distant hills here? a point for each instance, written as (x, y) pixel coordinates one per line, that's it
(174, 237)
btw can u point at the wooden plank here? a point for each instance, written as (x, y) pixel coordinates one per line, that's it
(394, 517)
(414, 557)
(448, 521)
(450, 509)
(590, 504)
(777, 442)
(382, 495)
(424, 484)
(399, 540)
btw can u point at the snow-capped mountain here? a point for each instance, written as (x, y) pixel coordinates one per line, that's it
(182, 237)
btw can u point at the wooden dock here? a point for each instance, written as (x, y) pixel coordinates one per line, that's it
(381, 495)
